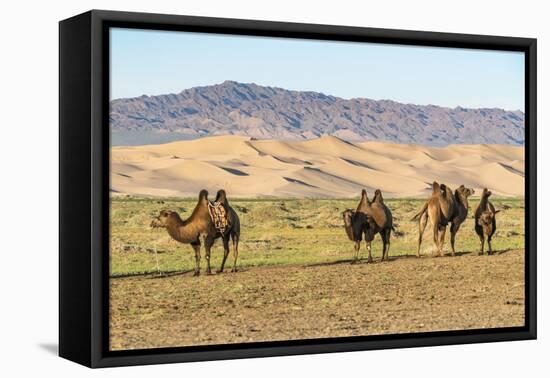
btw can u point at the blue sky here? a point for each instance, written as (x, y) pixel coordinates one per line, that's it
(159, 62)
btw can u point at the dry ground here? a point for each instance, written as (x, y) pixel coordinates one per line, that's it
(403, 295)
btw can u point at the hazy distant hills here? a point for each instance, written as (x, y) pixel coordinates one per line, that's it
(260, 112)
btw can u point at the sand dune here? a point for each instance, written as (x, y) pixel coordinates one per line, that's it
(323, 167)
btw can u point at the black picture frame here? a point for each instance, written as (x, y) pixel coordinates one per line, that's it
(84, 187)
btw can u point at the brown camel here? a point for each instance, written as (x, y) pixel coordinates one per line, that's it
(355, 224)
(379, 221)
(460, 212)
(233, 231)
(485, 221)
(439, 209)
(199, 227)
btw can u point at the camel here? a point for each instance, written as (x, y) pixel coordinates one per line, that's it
(439, 209)
(233, 231)
(460, 212)
(199, 227)
(355, 225)
(369, 219)
(485, 221)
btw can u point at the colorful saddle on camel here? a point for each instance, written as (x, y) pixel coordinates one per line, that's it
(219, 216)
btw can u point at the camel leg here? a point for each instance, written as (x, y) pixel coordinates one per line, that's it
(441, 240)
(386, 252)
(490, 252)
(356, 247)
(208, 243)
(454, 230)
(369, 249)
(422, 222)
(435, 228)
(235, 238)
(481, 244)
(225, 252)
(197, 249)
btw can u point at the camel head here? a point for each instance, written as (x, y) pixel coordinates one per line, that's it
(486, 193)
(464, 191)
(164, 218)
(348, 217)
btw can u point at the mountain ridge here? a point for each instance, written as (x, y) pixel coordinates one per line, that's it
(262, 112)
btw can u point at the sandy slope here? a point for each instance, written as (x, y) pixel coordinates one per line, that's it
(324, 167)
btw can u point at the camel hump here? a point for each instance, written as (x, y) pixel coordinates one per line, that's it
(435, 188)
(203, 194)
(364, 202)
(221, 196)
(378, 196)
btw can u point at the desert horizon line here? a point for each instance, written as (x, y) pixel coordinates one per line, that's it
(317, 92)
(348, 141)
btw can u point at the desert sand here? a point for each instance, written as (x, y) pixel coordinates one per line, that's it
(326, 167)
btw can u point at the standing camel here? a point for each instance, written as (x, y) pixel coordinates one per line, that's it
(355, 224)
(233, 231)
(198, 228)
(485, 221)
(379, 221)
(461, 211)
(439, 209)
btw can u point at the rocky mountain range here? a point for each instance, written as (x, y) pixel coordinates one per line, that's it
(261, 112)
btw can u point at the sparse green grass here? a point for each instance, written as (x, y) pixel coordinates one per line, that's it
(285, 232)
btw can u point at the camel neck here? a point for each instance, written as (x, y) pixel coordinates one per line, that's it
(179, 230)
(483, 203)
(462, 199)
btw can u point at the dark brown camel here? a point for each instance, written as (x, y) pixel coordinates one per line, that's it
(355, 225)
(372, 218)
(485, 221)
(233, 231)
(439, 209)
(460, 212)
(199, 227)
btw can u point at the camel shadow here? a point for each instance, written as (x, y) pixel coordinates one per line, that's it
(399, 257)
(349, 261)
(190, 271)
(169, 274)
(502, 251)
(330, 263)
(459, 254)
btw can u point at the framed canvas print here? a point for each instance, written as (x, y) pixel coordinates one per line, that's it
(235, 188)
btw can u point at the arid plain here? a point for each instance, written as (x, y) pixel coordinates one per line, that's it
(295, 279)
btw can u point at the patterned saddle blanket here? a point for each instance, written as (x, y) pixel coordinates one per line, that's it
(218, 215)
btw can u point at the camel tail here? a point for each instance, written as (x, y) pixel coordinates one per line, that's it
(420, 213)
